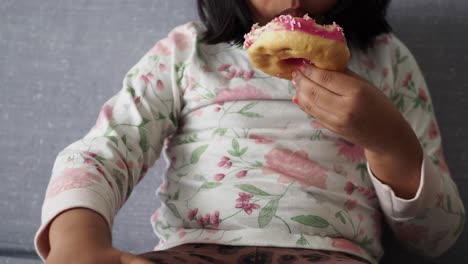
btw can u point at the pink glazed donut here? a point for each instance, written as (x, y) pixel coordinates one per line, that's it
(287, 42)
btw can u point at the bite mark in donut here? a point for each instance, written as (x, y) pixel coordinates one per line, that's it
(287, 42)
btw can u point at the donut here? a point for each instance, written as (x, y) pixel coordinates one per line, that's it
(287, 42)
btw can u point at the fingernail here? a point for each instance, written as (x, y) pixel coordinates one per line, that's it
(295, 100)
(294, 74)
(294, 82)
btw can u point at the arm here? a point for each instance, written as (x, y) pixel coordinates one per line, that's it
(425, 210)
(100, 171)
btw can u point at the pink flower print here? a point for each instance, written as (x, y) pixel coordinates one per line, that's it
(249, 75)
(260, 139)
(217, 109)
(350, 151)
(160, 85)
(244, 198)
(224, 67)
(162, 67)
(91, 154)
(197, 99)
(219, 176)
(137, 100)
(350, 204)
(386, 87)
(215, 219)
(129, 164)
(248, 208)
(433, 130)
(147, 77)
(296, 166)
(407, 79)
(192, 213)
(246, 92)
(191, 84)
(423, 95)
(232, 73)
(105, 115)
(385, 72)
(349, 188)
(162, 48)
(369, 64)
(411, 232)
(241, 174)
(338, 168)
(121, 164)
(440, 199)
(181, 40)
(315, 124)
(71, 178)
(182, 234)
(345, 244)
(155, 216)
(442, 164)
(201, 221)
(225, 163)
(240, 73)
(198, 112)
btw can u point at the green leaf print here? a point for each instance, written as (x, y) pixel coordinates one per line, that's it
(144, 122)
(449, 204)
(252, 190)
(461, 223)
(131, 90)
(341, 217)
(311, 220)
(114, 139)
(210, 185)
(124, 139)
(302, 241)
(220, 131)
(197, 153)
(267, 213)
(144, 145)
(108, 131)
(173, 119)
(247, 107)
(134, 72)
(250, 114)
(174, 210)
(235, 145)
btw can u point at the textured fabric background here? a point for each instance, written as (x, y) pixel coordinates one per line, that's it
(53, 53)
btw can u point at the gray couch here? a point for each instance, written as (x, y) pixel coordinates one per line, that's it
(53, 54)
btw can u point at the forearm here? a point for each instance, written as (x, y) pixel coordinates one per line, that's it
(399, 167)
(79, 227)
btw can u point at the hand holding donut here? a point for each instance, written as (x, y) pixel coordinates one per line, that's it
(353, 108)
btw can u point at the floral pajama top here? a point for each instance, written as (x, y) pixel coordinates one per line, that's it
(246, 165)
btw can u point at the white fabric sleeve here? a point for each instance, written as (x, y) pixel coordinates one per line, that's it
(99, 171)
(430, 222)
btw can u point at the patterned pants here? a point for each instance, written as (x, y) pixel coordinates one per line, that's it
(224, 254)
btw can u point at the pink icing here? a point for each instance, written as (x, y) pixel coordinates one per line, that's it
(290, 23)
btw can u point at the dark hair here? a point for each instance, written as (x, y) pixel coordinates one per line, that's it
(229, 20)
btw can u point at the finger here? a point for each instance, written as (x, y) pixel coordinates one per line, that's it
(321, 115)
(337, 82)
(132, 259)
(353, 74)
(316, 94)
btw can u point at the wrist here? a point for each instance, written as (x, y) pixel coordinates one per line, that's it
(400, 168)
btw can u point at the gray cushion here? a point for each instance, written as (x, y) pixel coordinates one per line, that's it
(60, 61)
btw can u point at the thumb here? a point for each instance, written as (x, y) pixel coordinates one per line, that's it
(132, 259)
